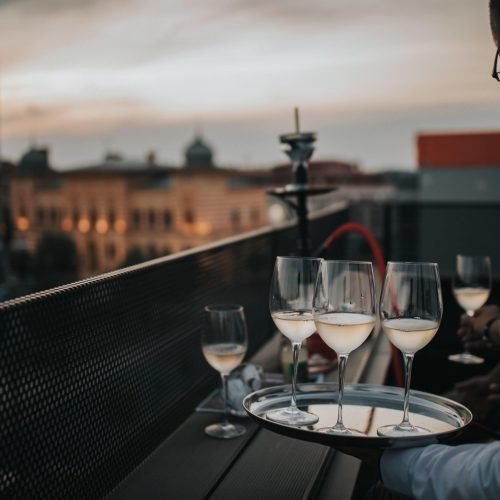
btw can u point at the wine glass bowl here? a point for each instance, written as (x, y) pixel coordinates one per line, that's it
(224, 345)
(411, 308)
(290, 302)
(471, 288)
(344, 314)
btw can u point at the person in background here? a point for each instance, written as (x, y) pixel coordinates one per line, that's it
(482, 331)
(481, 394)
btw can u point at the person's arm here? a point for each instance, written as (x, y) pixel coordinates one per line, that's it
(493, 332)
(439, 472)
(482, 331)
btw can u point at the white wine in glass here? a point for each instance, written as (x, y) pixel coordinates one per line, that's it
(411, 308)
(344, 314)
(224, 344)
(471, 289)
(290, 303)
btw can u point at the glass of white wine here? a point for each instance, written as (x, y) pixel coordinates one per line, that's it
(224, 344)
(471, 288)
(411, 308)
(290, 302)
(344, 314)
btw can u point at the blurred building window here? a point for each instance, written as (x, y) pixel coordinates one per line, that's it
(66, 224)
(167, 218)
(53, 216)
(76, 217)
(40, 216)
(102, 226)
(136, 219)
(23, 223)
(120, 226)
(93, 217)
(235, 218)
(110, 251)
(188, 217)
(152, 218)
(111, 217)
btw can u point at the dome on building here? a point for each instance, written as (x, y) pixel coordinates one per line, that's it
(198, 155)
(35, 161)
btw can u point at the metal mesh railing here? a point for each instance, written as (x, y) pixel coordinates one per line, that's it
(94, 375)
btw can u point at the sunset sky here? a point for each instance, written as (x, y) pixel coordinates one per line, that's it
(85, 76)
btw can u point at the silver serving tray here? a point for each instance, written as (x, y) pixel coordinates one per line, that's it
(366, 407)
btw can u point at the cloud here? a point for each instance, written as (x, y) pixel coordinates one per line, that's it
(33, 28)
(78, 118)
(83, 66)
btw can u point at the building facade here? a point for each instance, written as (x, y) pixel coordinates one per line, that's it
(119, 207)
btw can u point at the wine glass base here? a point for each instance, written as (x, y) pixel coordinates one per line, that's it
(341, 431)
(466, 358)
(400, 430)
(225, 430)
(292, 416)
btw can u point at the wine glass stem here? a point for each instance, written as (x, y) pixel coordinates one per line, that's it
(295, 358)
(223, 376)
(342, 363)
(408, 360)
(470, 314)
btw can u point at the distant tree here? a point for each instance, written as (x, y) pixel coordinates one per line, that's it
(18, 279)
(55, 261)
(134, 256)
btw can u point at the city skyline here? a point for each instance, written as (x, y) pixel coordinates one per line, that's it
(134, 76)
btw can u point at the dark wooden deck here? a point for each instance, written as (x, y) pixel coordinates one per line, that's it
(260, 464)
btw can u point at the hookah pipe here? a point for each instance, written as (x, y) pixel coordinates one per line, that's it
(495, 21)
(380, 262)
(300, 148)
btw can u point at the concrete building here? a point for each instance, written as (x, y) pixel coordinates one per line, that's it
(452, 205)
(459, 167)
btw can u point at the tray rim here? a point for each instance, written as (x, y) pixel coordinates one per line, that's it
(332, 440)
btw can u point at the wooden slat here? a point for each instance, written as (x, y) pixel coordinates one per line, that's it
(187, 465)
(276, 467)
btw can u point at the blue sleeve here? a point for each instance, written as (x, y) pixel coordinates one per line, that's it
(440, 472)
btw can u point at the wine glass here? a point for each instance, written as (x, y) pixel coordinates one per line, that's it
(471, 288)
(344, 314)
(411, 308)
(290, 302)
(224, 344)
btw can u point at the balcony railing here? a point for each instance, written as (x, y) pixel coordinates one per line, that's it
(95, 374)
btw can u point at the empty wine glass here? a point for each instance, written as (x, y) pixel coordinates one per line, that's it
(471, 288)
(290, 302)
(344, 314)
(224, 344)
(411, 308)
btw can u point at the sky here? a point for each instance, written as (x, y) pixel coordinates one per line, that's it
(89, 76)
